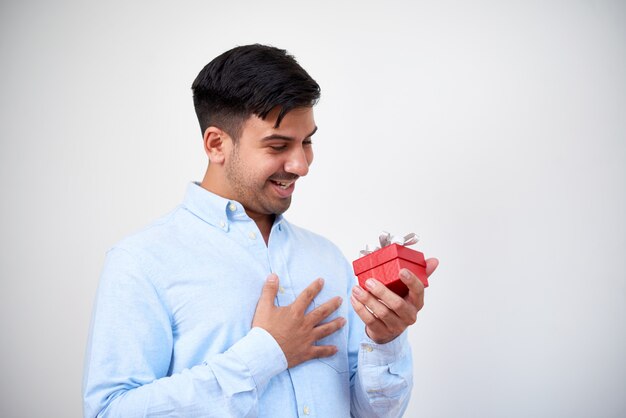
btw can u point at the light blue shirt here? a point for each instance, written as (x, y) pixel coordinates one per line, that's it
(171, 332)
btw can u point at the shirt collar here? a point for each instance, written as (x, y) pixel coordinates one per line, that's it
(216, 210)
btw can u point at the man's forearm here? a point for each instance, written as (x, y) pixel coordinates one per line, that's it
(381, 386)
(226, 385)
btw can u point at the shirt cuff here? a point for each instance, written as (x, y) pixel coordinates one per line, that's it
(383, 354)
(260, 352)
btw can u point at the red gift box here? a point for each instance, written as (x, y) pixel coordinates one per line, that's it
(384, 265)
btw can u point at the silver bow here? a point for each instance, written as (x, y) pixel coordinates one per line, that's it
(385, 239)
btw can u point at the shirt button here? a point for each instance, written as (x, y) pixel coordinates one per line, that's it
(281, 289)
(368, 348)
(306, 410)
(232, 207)
(222, 224)
(252, 235)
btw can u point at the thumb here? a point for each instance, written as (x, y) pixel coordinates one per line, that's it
(431, 266)
(270, 289)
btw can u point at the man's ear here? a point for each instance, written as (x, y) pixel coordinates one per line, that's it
(215, 143)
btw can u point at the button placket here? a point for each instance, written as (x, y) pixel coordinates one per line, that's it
(278, 266)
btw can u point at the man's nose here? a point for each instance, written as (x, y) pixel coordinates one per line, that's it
(297, 163)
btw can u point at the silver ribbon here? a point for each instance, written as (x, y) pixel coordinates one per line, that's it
(385, 239)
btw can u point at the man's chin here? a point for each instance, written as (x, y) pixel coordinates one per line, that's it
(269, 208)
(282, 207)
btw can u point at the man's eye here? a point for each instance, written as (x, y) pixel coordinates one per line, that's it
(307, 142)
(279, 147)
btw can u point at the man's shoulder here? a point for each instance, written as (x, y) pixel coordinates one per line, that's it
(157, 233)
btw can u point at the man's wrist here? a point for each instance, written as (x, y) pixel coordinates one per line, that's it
(260, 352)
(386, 352)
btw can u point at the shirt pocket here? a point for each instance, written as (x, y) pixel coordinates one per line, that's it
(338, 361)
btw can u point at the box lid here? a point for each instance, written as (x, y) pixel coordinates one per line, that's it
(385, 254)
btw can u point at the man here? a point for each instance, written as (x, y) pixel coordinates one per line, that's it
(223, 308)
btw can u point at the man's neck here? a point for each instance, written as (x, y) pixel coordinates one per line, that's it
(264, 222)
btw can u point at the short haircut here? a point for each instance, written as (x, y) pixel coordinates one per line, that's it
(250, 80)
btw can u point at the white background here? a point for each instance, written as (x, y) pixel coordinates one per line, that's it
(496, 130)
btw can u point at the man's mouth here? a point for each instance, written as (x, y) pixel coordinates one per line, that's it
(284, 187)
(283, 184)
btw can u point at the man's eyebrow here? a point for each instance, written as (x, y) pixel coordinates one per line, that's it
(286, 138)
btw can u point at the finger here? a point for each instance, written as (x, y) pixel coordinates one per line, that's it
(268, 294)
(320, 313)
(329, 328)
(321, 351)
(305, 298)
(398, 305)
(367, 316)
(431, 266)
(378, 309)
(415, 297)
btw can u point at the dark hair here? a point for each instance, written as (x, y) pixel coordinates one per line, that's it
(250, 80)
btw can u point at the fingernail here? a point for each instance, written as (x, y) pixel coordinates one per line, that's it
(370, 283)
(272, 278)
(358, 291)
(405, 274)
(320, 281)
(343, 321)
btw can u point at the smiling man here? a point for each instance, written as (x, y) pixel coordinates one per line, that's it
(222, 308)
(259, 169)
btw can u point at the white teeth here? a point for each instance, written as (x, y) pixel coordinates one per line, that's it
(283, 185)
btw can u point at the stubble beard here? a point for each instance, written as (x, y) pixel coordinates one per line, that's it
(252, 196)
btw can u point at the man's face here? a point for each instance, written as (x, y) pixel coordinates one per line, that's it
(264, 164)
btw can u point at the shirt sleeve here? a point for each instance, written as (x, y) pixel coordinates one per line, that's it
(381, 375)
(130, 348)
